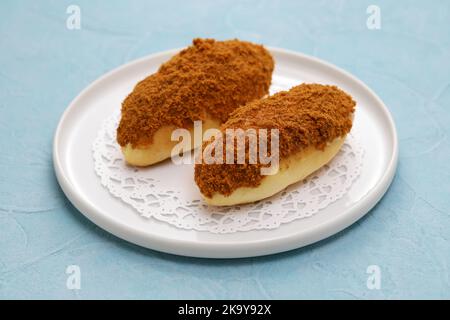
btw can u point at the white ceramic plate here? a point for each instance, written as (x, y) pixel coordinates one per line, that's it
(73, 162)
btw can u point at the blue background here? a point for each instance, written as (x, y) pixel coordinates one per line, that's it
(43, 66)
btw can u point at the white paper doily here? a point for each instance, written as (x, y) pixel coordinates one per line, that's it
(168, 193)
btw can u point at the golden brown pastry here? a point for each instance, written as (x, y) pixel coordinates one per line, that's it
(312, 120)
(205, 81)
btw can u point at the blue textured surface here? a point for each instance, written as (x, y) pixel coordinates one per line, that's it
(44, 66)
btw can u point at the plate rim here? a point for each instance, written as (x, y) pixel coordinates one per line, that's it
(247, 248)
